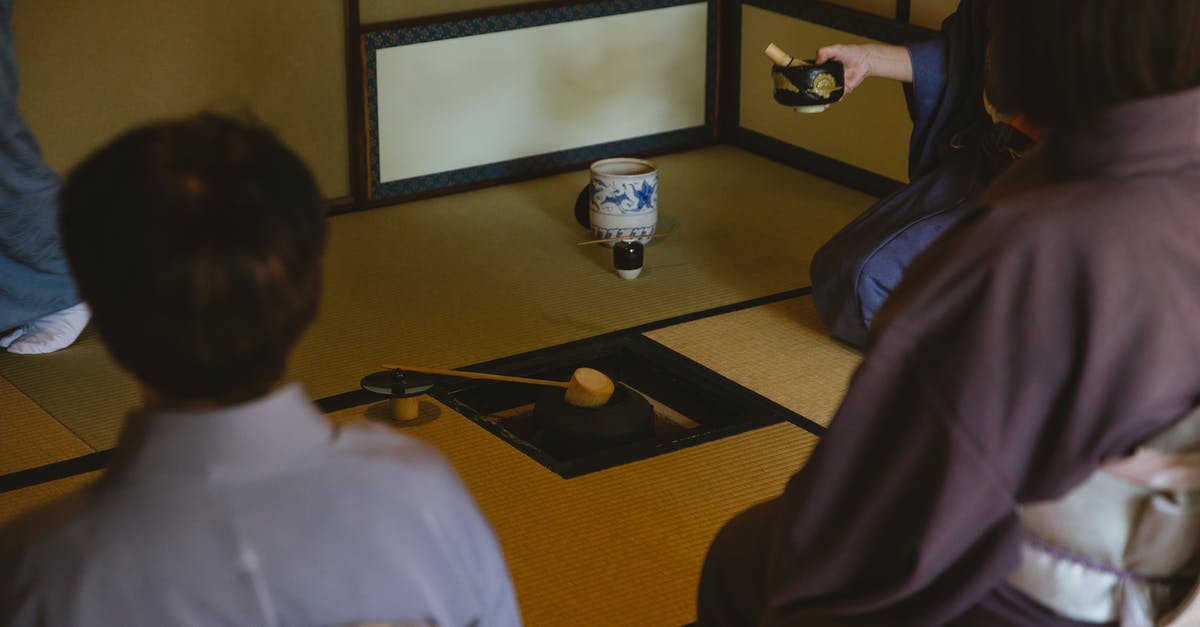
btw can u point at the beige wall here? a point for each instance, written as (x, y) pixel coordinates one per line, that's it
(90, 69)
(388, 10)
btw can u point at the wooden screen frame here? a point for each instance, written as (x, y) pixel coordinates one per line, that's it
(367, 188)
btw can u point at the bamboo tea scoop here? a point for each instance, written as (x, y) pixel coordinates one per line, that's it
(587, 388)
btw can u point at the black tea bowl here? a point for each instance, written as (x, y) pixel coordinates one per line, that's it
(809, 87)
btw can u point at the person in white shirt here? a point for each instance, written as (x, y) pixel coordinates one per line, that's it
(230, 499)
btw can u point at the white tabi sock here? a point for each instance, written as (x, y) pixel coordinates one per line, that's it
(48, 333)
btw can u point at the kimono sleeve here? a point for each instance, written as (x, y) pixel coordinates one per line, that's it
(897, 516)
(946, 96)
(906, 511)
(20, 604)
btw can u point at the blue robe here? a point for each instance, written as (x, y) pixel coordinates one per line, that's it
(955, 150)
(34, 278)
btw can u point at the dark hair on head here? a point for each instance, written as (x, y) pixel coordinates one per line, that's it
(1061, 62)
(197, 243)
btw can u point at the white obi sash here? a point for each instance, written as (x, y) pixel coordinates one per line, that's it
(1123, 546)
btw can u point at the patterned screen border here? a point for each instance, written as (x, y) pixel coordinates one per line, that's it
(383, 36)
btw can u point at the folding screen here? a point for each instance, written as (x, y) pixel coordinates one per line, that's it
(861, 142)
(467, 100)
(446, 103)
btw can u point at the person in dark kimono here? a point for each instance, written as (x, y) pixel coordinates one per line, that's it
(956, 148)
(1042, 347)
(40, 309)
(230, 499)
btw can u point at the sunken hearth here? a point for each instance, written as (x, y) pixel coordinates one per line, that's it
(691, 404)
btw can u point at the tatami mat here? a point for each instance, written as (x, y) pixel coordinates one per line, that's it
(29, 436)
(781, 351)
(485, 274)
(17, 502)
(623, 546)
(427, 283)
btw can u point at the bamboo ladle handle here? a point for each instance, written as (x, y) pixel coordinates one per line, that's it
(617, 239)
(587, 387)
(467, 374)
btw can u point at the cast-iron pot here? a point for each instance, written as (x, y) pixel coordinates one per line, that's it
(626, 417)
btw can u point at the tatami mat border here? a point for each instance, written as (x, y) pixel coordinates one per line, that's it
(54, 471)
(346, 400)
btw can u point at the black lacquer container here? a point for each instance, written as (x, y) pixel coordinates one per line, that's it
(627, 258)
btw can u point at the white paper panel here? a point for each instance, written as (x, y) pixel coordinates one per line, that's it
(869, 129)
(469, 101)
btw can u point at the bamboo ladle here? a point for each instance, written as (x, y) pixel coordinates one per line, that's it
(587, 388)
(617, 239)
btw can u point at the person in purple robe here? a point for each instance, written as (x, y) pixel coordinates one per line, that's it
(1044, 349)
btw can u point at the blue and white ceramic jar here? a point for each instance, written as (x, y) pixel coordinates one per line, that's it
(624, 202)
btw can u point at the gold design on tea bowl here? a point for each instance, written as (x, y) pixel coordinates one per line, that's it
(824, 84)
(785, 83)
